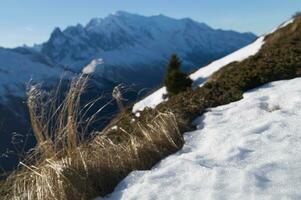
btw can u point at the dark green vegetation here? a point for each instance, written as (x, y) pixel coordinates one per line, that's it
(138, 143)
(175, 80)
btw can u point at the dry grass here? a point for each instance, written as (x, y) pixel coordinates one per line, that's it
(64, 166)
(56, 123)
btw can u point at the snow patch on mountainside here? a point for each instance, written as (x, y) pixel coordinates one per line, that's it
(282, 25)
(150, 101)
(250, 50)
(91, 68)
(202, 74)
(248, 149)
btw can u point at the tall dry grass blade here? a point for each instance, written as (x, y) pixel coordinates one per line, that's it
(70, 168)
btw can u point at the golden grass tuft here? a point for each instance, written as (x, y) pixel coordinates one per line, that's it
(64, 166)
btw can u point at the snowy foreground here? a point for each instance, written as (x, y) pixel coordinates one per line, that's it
(248, 149)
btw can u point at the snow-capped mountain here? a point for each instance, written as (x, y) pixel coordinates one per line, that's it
(130, 44)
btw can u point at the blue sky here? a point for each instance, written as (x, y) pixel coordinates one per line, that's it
(31, 21)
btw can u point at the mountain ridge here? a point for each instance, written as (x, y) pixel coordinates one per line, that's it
(125, 40)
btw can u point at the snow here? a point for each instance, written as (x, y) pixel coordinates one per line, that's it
(150, 101)
(287, 23)
(202, 74)
(240, 55)
(89, 69)
(248, 149)
(114, 128)
(137, 114)
(282, 25)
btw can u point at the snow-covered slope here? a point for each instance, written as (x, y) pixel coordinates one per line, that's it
(248, 149)
(134, 42)
(203, 73)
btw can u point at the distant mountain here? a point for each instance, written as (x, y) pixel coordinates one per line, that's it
(129, 44)
(133, 49)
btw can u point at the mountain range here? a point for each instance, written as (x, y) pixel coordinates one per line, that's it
(130, 42)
